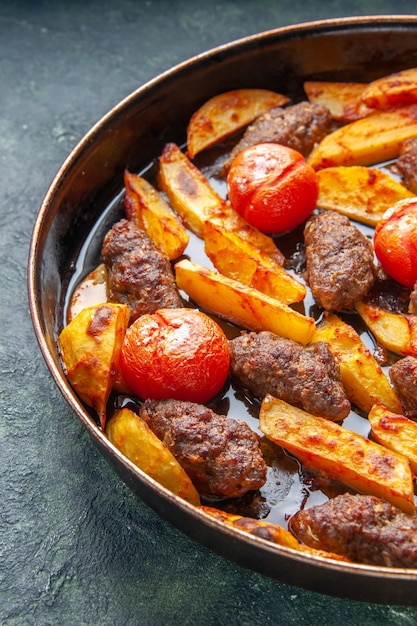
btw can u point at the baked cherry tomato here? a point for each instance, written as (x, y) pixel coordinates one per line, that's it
(272, 187)
(175, 353)
(395, 242)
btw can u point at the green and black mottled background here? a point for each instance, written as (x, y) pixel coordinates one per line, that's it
(76, 546)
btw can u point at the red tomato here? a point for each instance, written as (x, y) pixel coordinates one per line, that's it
(175, 353)
(395, 242)
(272, 187)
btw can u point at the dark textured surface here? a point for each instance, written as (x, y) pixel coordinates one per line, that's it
(76, 546)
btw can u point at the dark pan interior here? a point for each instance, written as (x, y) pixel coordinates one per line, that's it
(131, 135)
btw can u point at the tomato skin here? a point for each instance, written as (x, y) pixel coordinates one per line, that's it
(175, 353)
(395, 242)
(272, 187)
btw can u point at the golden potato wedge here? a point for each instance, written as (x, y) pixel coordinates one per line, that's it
(90, 290)
(273, 532)
(362, 377)
(394, 431)
(362, 193)
(373, 139)
(394, 331)
(146, 207)
(338, 453)
(241, 304)
(90, 347)
(268, 531)
(188, 191)
(133, 437)
(241, 260)
(226, 113)
(342, 99)
(234, 223)
(394, 90)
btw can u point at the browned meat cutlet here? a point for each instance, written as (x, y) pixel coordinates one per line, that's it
(139, 274)
(299, 126)
(407, 164)
(339, 261)
(306, 377)
(221, 455)
(362, 528)
(403, 375)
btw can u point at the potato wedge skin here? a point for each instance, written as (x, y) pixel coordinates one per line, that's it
(241, 304)
(227, 219)
(90, 348)
(373, 139)
(394, 331)
(394, 90)
(276, 533)
(188, 191)
(241, 260)
(339, 453)
(362, 193)
(342, 99)
(266, 530)
(362, 377)
(133, 437)
(146, 207)
(394, 431)
(226, 113)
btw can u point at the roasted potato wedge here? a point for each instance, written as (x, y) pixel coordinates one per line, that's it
(394, 331)
(362, 377)
(148, 209)
(338, 453)
(231, 221)
(241, 304)
(394, 90)
(362, 193)
(226, 113)
(196, 201)
(394, 431)
(90, 348)
(188, 191)
(133, 437)
(90, 290)
(241, 260)
(266, 530)
(373, 139)
(342, 99)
